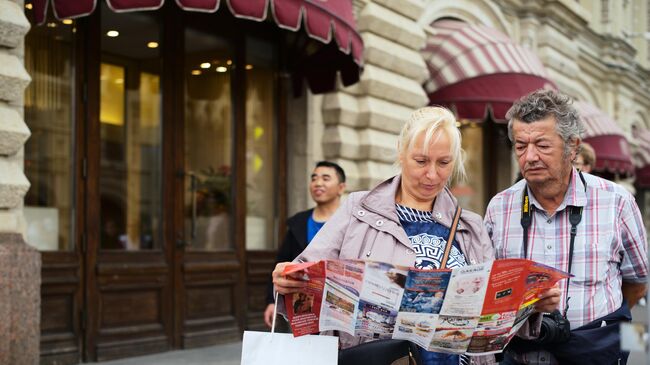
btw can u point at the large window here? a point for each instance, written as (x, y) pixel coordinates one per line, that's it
(224, 73)
(130, 132)
(208, 141)
(261, 167)
(49, 165)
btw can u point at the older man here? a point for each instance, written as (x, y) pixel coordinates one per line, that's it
(575, 222)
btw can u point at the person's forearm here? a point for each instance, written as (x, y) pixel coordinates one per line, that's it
(632, 292)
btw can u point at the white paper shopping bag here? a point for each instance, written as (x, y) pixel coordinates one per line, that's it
(272, 348)
(267, 348)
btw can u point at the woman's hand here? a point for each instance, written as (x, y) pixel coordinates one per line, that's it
(285, 284)
(268, 314)
(549, 300)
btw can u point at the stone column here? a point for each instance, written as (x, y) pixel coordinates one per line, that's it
(20, 264)
(362, 121)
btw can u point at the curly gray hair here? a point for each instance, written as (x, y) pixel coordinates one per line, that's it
(542, 103)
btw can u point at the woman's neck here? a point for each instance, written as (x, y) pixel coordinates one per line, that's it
(402, 198)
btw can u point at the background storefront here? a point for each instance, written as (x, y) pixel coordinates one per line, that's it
(157, 163)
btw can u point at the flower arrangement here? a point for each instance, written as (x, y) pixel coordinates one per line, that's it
(213, 190)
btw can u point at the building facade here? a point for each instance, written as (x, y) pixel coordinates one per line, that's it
(158, 175)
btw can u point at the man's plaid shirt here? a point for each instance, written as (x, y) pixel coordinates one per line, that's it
(610, 245)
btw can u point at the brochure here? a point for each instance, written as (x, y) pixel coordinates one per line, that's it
(475, 310)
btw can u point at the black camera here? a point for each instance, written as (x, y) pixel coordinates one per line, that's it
(555, 329)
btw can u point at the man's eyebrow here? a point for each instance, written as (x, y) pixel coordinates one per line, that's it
(541, 139)
(538, 139)
(325, 174)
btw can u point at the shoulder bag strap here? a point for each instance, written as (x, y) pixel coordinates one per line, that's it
(450, 240)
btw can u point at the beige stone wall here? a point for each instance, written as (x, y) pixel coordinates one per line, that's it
(593, 50)
(357, 126)
(13, 131)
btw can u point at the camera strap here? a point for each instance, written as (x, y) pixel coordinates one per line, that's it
(575, 216)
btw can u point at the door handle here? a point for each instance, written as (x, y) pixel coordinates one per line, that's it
(194, 187)
(180, 240)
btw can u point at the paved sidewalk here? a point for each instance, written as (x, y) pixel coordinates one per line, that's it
(228, 354)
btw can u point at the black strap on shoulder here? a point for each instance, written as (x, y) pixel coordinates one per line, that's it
(575, 216)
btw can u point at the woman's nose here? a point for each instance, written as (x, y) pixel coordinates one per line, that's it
(432, 172)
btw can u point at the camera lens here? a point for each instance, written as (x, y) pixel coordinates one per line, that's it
(555, 328)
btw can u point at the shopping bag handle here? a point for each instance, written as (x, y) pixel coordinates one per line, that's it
(275, 312)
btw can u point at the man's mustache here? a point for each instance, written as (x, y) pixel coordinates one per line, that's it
(533, 166)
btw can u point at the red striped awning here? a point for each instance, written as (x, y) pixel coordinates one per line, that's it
(323, 20)
(607, 138)
(476, 70)
(596, 122)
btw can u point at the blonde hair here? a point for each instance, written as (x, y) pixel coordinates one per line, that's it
(431, 120)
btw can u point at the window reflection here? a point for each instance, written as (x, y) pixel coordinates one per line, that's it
(130, 132)
(260, 145)
(208, 141)
(49, 203)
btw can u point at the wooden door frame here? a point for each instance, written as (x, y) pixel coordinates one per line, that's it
(99, 262)
(92, 155)
(236, 31)
(184, 261)
(172, 168)
(67, 267)
(173, 171)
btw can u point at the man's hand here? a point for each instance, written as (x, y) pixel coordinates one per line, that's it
(632, 292)
(268, 314)
(549, 300)
(286, 284)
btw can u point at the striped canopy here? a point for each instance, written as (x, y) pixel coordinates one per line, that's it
(607, 139)
(324, 20)
(596, 122)
(476, 69)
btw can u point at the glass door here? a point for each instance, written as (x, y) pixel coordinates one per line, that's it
(52, 204)
(208, 260)
(129, 292)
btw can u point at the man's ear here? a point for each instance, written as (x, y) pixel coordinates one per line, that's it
(575, 148)
(341, 188)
